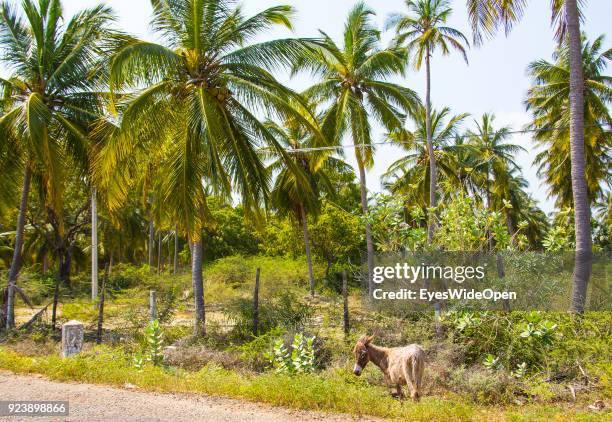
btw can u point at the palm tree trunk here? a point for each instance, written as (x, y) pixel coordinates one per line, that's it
(94, 245)
(433, 168)
(198, 288)
(489, 207)
(369, 240)
(159, 252)
(582, 212)
(16, 262)
(151, 243)
(175, 263)
(307, 246)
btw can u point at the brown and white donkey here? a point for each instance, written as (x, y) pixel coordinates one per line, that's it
(400, 365)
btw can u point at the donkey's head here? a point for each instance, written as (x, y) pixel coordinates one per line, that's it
(361, 354)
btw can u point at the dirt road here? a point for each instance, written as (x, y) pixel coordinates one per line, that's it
(100, 403)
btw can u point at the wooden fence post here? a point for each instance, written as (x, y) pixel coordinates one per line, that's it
(345, 302)
(256, 303)
(153, 304)
(101, 306)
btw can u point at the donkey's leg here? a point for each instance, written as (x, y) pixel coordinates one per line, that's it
(410, 379)
(389, 385)
(418, 369)
(399, 392)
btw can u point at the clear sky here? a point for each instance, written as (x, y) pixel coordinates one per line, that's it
(494, 81)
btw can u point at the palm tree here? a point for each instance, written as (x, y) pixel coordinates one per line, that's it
(194, 99)
(495, 155)
(548, 101)
(410, 174)
(50, 98)
(521, 211)
(300, 194)
(354, 89)
(486, 17)
(422, 32)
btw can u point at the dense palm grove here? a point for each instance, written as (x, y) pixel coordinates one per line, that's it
(192, 149)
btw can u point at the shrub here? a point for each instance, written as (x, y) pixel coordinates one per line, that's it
(481, 385)
(285, 311)
(297, 359)
(152, 350)
(253, 353)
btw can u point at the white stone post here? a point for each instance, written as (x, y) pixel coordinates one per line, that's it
(72, 338)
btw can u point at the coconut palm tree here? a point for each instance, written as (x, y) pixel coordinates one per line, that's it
(50, 97)
(353, 88)
(194, 98)
(410, 175)
(495, 155)
(486, 18)
(548, 101)
(521, 211)
(423, 31)
(300, 194)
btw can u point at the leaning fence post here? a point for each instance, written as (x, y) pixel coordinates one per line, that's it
(153, 304)
(345, 303)
(256, 303)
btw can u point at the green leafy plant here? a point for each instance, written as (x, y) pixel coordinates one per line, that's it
(521, 370)
(139, 361)
(492, 362)
(300, 358)
(154, 337)
(152, 351)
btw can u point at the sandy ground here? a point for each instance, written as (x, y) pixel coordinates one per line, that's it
(100, 403)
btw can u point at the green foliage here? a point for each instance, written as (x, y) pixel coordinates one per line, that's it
(481, 386)
(491, 362)
(548, 101)
(465, 226)
(387, 217)
(139, 361)
(284, 310)
(336, 235)
(254, 353)
(229, 234)
(296, 359)
(332, 391)
(526, 343)
(152, 351)
(231, 276)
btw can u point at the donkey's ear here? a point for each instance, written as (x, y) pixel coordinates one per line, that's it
(369, 339)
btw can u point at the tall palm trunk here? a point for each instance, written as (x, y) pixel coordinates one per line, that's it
(16, 262)
(489, 207)
(175, 262)
(198, 288)
(433, 168)
(369, 241)
(64, 262)
(582, 212)
(307, 246)
(94, 245)
(159, 253)
(151, 243)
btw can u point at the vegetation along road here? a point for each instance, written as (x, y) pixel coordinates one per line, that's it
(97, 403)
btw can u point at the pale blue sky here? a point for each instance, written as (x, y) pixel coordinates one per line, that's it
(494, 80)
